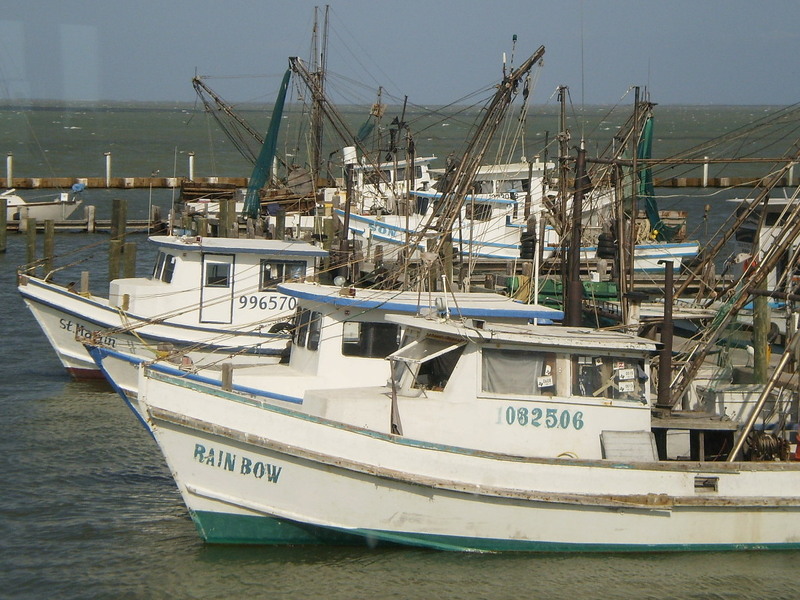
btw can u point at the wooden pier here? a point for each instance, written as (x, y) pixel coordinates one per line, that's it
(89, 224)
(129, 183)
(123, 183)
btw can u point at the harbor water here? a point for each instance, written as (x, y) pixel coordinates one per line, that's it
(88, 509)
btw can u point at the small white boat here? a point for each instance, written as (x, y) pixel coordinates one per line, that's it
(216, 296)
(486, 438)
(18, 209)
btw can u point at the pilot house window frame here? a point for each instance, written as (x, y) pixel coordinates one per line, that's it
(273, 272)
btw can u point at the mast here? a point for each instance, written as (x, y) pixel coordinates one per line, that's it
(574, 293)
(439, 224)
(319, 65)
(563, 179)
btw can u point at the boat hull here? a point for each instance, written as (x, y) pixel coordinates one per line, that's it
(69, 319)
(257, 473)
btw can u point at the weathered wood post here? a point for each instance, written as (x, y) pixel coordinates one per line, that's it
(222, 218)
(3, 223)
(119, 209)
(227, 376)
(280, 225)
(233, 219)
(30, 239)
(84, 290)
(91, 225)
(114, 258)
(761, 325)
(49, 247)
(129, 259)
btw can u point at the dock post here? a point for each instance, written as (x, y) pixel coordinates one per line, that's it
(114, 258)
(30, 239)
(329, 232)
(155, 218)
(85, 283)
(10, 170)
(119, 218)
(227, 376)
(89, 211)
(222, 219)
(49, 247)
(108, 169)
(129, 259)
(3, 223)
(191, 166)
(202, 227)
(705, 173)
(761, 324)
(232, 225)
(280, 225)
(186, 225)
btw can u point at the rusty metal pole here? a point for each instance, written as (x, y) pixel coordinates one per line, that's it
(665, 355)
(574, 299)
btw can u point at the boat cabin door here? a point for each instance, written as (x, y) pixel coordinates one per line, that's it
(216, 290)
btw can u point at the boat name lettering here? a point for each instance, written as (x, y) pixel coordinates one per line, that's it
(549, 418)
(222, 459)
(382, 229)
(272, 302)
(83, 332)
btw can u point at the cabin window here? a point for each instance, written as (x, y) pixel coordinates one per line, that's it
(159, 266)
(518, 372)
(478, 211)
(431, 360)
(274, 272)
(218, 275)
(169, 268)
(418, 172)
(434, 374)
(307, 331)
(314, 331)
(520, 186)
(609, 377)
(370, 340)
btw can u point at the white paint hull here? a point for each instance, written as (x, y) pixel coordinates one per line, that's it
(69, 319)
(237, 462)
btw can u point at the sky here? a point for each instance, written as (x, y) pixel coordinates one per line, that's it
(706, 52)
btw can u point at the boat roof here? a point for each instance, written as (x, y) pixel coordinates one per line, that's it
(470, 197)
(238, 245)
(518, 170)
(772, 202)
(422, 160)
(475, 305)
(526, 334)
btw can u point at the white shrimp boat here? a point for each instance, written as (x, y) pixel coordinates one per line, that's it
(492, 222)
(487, 438)
(342, 339)
(214, 296)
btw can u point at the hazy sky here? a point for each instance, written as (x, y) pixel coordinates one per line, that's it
(433, 51)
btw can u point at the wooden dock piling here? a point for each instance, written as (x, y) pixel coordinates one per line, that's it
(49, 247)
(3, 223)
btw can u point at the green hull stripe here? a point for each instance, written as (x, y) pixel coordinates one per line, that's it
(220, 528)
